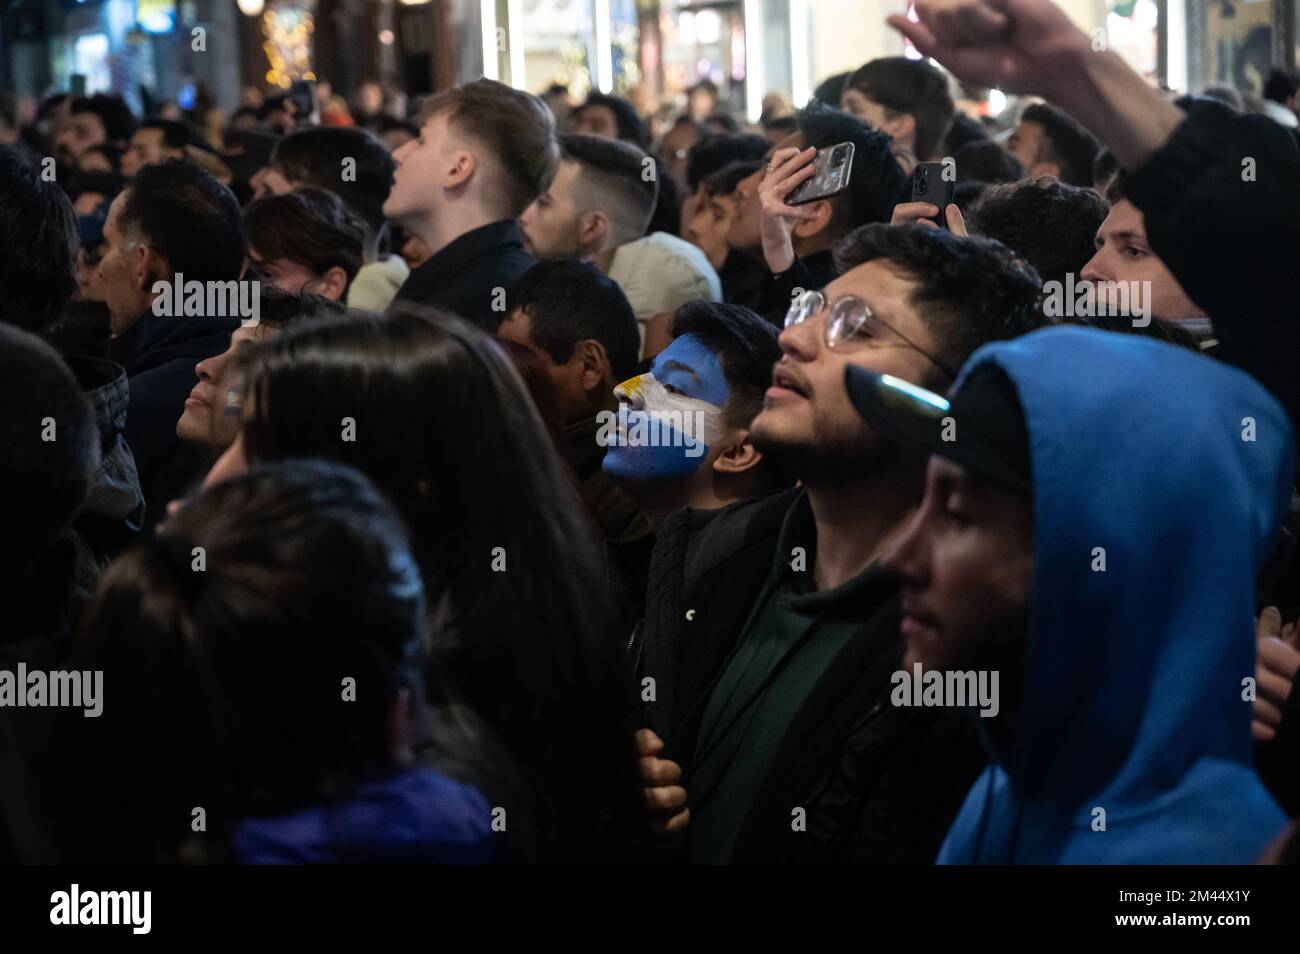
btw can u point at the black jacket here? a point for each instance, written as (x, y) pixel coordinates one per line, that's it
(879, 784)
(464, 277)
(159, 354)
(814, 271)
(1221, 200)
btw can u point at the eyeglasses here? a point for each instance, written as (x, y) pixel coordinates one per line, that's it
(850, 316)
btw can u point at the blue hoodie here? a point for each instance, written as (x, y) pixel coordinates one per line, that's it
(414, 817)
(1133, 694)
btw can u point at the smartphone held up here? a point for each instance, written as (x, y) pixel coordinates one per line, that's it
(930, 184)
(833, 166)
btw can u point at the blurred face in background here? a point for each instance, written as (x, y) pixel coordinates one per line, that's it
(710, 224)
(745, 233)
(147, 147)
(675, 148)
(596, 121)
(77, 134)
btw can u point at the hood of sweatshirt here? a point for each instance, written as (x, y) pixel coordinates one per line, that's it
(1160, 480)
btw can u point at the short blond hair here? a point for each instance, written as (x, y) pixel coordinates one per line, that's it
(517, 129)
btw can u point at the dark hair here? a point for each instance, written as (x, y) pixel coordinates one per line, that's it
(107, 184)
(530, 651)
(38, 245)
(308, 580)
(282, 310)
(630, 127)
(389, 124)
(613, 180)
(8, 110)
(974, 290)
(517, 128)
(118, 120)
(963, 132)
(667, 215)
(1104, 169)
(45, 480)
(1065, 142)
(965, 194)
(175, 135)
(720, 124)
(316, 157)
(309, 226)
(187, 217)
(568, 301)
(726, 179)
(1051, 224)
(49, 104)
(876, 183)
(1279, 86)
(785, 125)
(1115, 187)
(987, 161)
(273, 104)
(713, 152)
(830, 90)
(913, 87)
(746, 345)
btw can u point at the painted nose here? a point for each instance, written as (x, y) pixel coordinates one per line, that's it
(631, 392)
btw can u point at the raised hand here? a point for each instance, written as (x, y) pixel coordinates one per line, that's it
(1019, 46)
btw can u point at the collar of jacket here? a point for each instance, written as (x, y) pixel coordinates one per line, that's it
(157, 338)
(104, 384)
(456, 256)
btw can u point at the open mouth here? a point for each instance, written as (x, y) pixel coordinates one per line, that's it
(784, 381)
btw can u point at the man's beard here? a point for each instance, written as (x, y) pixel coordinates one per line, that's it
(830, 459)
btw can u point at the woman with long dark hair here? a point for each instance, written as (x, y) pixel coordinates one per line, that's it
(527, 680)
(259, 658)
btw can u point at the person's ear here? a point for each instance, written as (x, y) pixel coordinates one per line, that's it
(595, 372)
(461, 171)
(332, 284)
(902, 129)
(817, 222)
(739, 456)
(149, 267)
(592, 229)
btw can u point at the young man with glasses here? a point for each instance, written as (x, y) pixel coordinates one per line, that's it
(772, 632)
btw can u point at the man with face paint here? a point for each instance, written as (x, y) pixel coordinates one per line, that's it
(771, 630)
(681, 435)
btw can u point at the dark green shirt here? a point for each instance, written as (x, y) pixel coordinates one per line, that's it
(790, 640)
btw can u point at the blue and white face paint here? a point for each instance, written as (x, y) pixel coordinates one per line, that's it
(667, 419)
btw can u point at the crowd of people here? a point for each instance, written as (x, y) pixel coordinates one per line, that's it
(498, 479)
